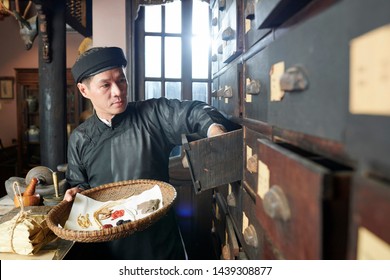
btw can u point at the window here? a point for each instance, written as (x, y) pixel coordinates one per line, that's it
(172, 51)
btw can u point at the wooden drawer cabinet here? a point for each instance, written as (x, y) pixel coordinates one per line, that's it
(310, 91)
(292, 191)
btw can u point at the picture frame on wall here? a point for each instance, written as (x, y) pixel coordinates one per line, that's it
(6, 87)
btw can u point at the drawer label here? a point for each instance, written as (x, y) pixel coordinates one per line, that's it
(276, 73)
(262, 179)
(371, 247)
(248, 97)
(370, 73)
(248, 152)
(248, 26)
(245, 221)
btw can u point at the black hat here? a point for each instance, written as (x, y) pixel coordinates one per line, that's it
(97, 60)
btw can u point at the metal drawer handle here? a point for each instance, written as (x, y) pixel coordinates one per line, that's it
(250, 236)
(220, 92)
(251, 164)
(231, 200)
(275, 204)
(214, 21)
(221, 5)
(220, 49)
(226, 252)
(228, 92)
(253, 87)
(228, 34)
(294, 79)
(250, 10)
(214, 58)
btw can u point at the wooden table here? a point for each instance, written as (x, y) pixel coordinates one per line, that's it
(55, 250)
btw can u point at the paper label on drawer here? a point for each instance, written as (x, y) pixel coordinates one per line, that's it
(371, 247)
(370, 73)
(247, 25)
(262, 179)
(276, 73)
(248, 152)
(248, 98)
(245, 222)
(226, 100)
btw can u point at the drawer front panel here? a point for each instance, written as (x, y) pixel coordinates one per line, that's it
(228, 93)
(252, 234)
(370, 228)
(315, 57)
(272, 13)
(367, 140)
(251, 158)
(367, 136)
(291, 188)
(256, 88)
(252, 33)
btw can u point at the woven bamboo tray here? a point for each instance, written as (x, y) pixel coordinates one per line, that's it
(113, 191)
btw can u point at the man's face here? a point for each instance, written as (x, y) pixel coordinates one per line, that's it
(107, 92)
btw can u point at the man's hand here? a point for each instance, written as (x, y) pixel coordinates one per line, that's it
(71, 193)
(215, 130)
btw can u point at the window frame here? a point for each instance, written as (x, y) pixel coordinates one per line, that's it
(186, 36)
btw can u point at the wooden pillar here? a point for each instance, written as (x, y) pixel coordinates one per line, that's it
(52, 82)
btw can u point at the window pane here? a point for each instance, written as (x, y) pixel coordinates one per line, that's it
(153, 18)
(200, 57)
(173, 17)
(199, 91)
(152, 90)
(200, 17)
(153, 56)
(173, 90)
(201, 40)
(172, 57)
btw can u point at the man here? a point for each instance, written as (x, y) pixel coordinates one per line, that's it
(124, 141)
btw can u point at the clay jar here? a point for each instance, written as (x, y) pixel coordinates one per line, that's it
(30, 200)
